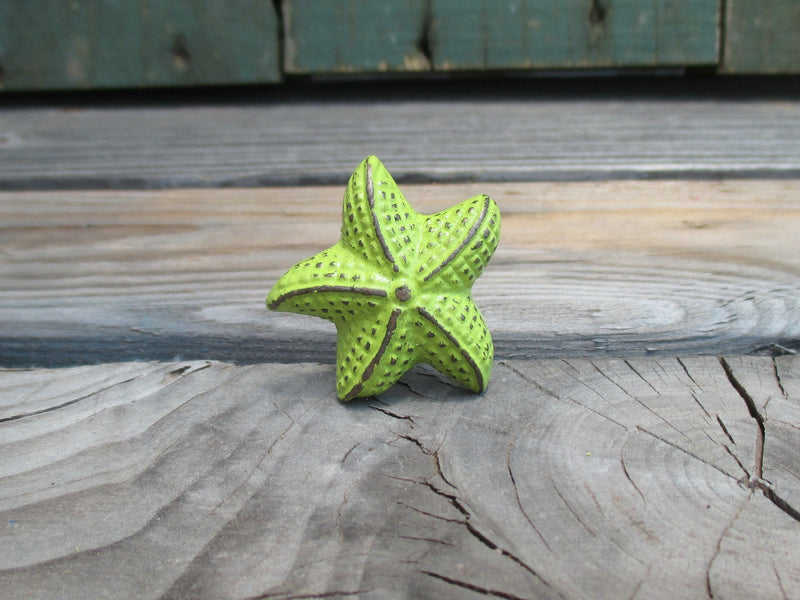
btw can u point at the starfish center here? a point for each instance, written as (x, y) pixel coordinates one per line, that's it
(403, 293)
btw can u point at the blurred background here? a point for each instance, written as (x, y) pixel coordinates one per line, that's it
(94, 44)
(145, 94)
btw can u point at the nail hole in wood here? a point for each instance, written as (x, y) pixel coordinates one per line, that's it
(180, 52)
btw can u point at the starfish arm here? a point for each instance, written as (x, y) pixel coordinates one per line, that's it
(373, 353)
(397, 287)
(332, 285)
(378, 224)
(460, 242)
(458, 342)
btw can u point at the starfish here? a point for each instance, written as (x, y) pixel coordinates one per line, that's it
(398, 286)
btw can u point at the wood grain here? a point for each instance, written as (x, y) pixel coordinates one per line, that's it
(331, 36)
(480, 34)
(86, 44)
(576, 478)
(761, 37)
(618, 268)
(523, 131)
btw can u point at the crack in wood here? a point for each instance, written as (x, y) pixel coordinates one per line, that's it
(685, 451)
(758, 467)
(636, 589)
(779, 580)
(411, 389)
(700, 404)
(746, 479)
(718, 547)
(638, 400)
(394, 415)
(768, 490)
(471, 586)
(565, 399)
(725, 430)
(625, 470)
(330, 594)
(64, 404)
(572, 510)
(430, 514)
(640, 376)
(423, 539)
(519, 500)
(689, 375)
(529, 380)
(757, 481)
(349, 451)
(777, 375)
(466, 521)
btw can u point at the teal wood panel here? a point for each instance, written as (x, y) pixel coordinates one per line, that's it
(485, 34)
(55, 44)
(762, 36)
(341, 36)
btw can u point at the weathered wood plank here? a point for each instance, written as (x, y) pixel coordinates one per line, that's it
(514, 132)
(50, 44)
(616, 268)
(572, 478)
(358, 36)
(761, 37)
(332, 36)
(483, 34)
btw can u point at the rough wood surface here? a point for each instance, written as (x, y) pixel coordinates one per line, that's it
(616, 268)
(575, 478)
(510, 132)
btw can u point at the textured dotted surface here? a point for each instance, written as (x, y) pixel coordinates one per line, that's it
(397, 286)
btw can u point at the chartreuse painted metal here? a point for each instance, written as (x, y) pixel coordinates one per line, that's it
(397, 286)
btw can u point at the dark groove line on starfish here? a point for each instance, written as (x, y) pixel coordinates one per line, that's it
(390, 327)
(466, 241)
(451, 337)
(371, 199)
(326, 288)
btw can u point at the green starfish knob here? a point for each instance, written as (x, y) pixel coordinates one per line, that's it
(397, 286)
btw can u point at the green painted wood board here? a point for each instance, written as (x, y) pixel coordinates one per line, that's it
(336, 36)
(482, 34)
(54, 44)
(762, 36)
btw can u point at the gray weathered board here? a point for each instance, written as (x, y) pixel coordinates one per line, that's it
(615, 268)
(620, 463)
(528, 131)
(574, 478)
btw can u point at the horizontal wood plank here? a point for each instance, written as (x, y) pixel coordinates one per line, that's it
(359, 36)
(335, 36)
(554, 34)
(615, 268)
(524, 132)
(603, 478)
(82, 44)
